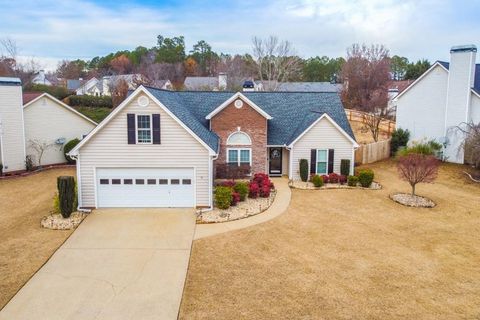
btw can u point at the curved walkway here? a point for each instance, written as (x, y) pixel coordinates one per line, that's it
(279, 206)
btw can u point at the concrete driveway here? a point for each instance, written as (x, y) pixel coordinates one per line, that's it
(119, 264)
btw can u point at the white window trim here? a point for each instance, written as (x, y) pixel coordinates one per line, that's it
(316, 161)
(238, 158)
(143, 129)
(239, 144)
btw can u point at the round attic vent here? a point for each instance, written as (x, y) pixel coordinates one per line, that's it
(238, 103)
(142, 101)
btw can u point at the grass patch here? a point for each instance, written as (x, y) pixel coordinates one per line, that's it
(97, 114)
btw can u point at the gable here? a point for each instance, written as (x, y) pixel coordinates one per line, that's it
(244, 99)
(231, 111)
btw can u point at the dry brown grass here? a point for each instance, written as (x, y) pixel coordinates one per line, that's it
(363, 135)
(24, 245)
(347, 254)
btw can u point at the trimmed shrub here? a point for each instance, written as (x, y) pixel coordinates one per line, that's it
(29, 165)
(1, 169)
(400, 138)
(56, 91)
(365, 177)
(242, 189)
(253, 190)
(89, 101)
(228, 183)
(56, 204)
(352, 181)
(317, 181)
(345, 167)
(304, 170)
(265, 191)
(66, 195)
(223, 197)
(68, 147)
(235, 198)
(231, 171)
(325, 179)
(333, 178)
(342, 179)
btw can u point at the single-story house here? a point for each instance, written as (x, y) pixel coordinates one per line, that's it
(161, 148)
(442, 99)
(50, 122)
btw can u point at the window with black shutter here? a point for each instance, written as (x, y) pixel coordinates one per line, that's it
(156, 128)
(132, 139)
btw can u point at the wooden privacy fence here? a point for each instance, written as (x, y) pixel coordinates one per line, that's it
(372, 152)
(386, 125)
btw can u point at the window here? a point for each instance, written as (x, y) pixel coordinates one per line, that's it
(103, 181)
(239, 156)
(139, 181)
(127, 181)
(322, 161)
(151, 181)
(186, 181)
(239, 138)
(116, 181)
(163, 181)
(175, 181)
(144, 129)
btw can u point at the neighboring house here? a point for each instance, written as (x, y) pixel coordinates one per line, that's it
(161, 148)
(86, 86)
(446, 96)
(41, 78)
(74, 84)
(162, 84)
(95, 87)
(51, 122)
(12, 133)
(308, 87)
(206, 83)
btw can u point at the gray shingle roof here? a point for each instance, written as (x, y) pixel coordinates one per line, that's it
(292, 112)
(10, 81)
(309, 87)
(201, 83)
(476, 82)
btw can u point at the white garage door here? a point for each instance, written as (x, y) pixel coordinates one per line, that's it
(145, 187)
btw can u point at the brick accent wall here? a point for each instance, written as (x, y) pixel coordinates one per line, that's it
(252, 123)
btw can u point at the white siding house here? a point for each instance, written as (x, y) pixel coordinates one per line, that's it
(445, 97)
(50, 121)
(12, 134)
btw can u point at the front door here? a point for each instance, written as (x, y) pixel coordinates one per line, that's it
(275, 162)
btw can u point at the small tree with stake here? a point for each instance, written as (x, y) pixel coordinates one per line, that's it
(416, 168)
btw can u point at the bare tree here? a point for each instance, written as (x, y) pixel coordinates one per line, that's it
(276, 61)
(9, 64)
(471, 144)
(416, 168)
(40, 147)
(366, 76)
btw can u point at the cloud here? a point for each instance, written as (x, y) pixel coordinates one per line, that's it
(83, 29)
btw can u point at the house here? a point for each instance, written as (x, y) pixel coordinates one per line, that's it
(41, 78)
(12, 133)
(51, 122)
(86, 86)
(445, 97)
(161, 148)
(304, 86)
(206, 83)
(74, 84)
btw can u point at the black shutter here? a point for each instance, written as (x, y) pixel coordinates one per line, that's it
(132, 139)
(331, 153)
(313, 161)
(156, 128)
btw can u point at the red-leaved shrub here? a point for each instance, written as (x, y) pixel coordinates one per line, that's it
(265, 191)
(325, 178)
(235, 198)
(333, 178)
(253, 190)
(342, 179)
(227, 183)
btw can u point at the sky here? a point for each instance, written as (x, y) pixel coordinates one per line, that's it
(53, 30)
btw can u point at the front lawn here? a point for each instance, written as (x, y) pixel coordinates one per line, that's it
(24, 245)
(347, 254)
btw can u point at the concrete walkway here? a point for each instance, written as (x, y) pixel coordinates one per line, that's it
(279, 206)
(119, 264)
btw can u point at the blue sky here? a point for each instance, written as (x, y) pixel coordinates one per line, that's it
(51, 30)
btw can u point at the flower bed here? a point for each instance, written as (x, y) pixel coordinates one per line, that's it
(410, 200)
(309, 186)
(57, 222)
(363, 180)
(239, 199)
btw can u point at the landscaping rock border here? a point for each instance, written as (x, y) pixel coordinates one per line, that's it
(409, 200)
(309, 186)
(57, 222)
(244, 209)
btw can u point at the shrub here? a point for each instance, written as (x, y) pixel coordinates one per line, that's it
(223, 197)
(342, 179)
(68, 147)
(333, 178)
(400, 138)
(56, 91)
(352, 181)
(265, 191)
(262, 180)
(229, 171)
(304, 170)
(235, 198)
(345, 167)
(29, 165)
(365, 177)
(1, 169)
(56, 204)
(66, 195)
(253, 190)
(325, 179)
(242, 189)
(227, 183)
(426, 148)
(90, 101)
(317, 181)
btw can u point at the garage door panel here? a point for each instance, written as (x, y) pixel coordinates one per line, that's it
(145, 187)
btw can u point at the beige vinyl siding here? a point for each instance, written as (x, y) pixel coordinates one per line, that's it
(11, 130)
(109, 148)
(47, 120)
(324, 135)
